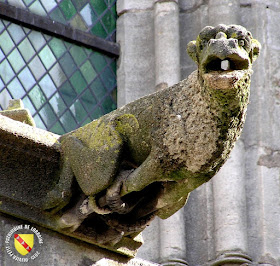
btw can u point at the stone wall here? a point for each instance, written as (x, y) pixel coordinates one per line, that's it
(235, 218)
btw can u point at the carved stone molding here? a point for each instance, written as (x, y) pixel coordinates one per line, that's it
(174, 262)
(232, 258)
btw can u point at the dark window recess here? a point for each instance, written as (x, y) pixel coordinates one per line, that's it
(59, 57)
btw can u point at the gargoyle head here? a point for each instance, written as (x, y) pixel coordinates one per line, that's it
(223, 51)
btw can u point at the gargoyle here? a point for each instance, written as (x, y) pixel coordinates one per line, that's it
(143, 159)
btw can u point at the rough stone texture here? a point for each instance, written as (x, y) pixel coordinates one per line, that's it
(163, 145)
(255, 156)
(152, 152)
(17, 112)
(167, 72)
(63, 250)
(33, 156)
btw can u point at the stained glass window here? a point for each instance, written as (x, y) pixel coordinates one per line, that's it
(63, 84)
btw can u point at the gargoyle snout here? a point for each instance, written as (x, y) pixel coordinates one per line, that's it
(222, 47)
(224, 54)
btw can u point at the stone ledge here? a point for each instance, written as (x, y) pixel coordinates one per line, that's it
(30, 165)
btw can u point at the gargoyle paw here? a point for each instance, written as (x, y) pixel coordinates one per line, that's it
(113, 198)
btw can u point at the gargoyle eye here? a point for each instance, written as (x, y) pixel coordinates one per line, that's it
(241, 42)
(203, 43)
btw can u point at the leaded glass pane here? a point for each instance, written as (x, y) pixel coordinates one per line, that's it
(37, 97)
(78, 82)
(58, 47)
(37, 8)
(37, 40)
(6, 71)
(26, 78)
(49, 4)
(26, 50)
(58, 104)
(16, 61)
(67, 64)
(78, 23)
(94, 16)
(6, 42)
(48, 86)
(2, 56)
(57, 75)
(16, 33)
(62, 84)
(88, 71)
(68, 9)
(37, 68)
(47, 57)
(78, 54)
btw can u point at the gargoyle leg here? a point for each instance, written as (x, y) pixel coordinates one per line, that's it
(73, 218)
(129, 181)
(148, 172)
(94, 169)
(113, 198)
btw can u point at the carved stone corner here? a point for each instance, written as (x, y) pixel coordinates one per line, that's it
(16, 111)
(232, 258)
(30, 160)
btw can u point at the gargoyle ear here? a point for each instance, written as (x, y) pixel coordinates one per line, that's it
(191, 49)
(255, 51)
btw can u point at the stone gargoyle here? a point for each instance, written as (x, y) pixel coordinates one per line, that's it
(143, 159)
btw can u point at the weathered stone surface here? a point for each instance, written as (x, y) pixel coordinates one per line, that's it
(30, 170)
(27, 155)
(169, 142)
(63, 250)
(143, 159)
(16, 111)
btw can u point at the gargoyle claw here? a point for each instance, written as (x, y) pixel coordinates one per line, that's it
(113, 198)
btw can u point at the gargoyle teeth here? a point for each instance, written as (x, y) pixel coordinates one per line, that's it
(225, 65)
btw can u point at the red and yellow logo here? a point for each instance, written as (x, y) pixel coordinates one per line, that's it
(24, 243)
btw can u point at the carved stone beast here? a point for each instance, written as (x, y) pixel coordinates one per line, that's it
(144, 158)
